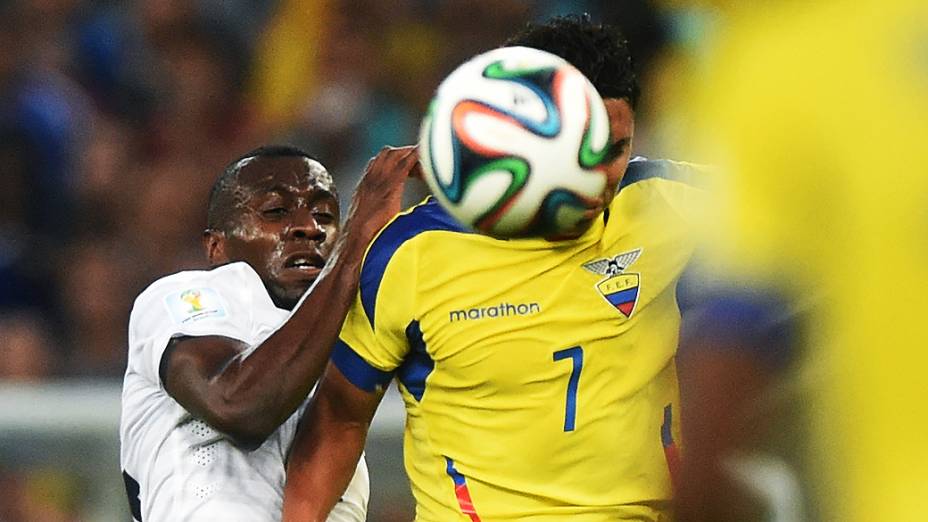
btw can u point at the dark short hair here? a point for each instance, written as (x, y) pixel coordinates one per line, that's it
(221, 197)
(599, 51)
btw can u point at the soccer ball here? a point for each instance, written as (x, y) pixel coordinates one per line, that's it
(514, 144)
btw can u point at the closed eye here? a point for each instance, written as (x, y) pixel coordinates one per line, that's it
(274, 212)
(615, 150)
(324, 217)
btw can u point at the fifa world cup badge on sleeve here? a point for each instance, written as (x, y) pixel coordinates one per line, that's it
(194, 304)
(619, 289)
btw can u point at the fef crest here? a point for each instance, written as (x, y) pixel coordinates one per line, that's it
(620, 289)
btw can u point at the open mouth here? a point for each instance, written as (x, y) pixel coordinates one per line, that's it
(305, 261)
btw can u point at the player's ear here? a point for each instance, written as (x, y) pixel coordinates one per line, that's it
(214, 241)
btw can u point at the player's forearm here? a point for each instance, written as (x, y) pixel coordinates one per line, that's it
(718, 386)
(322, 461)
(311, 495)
(262, 390)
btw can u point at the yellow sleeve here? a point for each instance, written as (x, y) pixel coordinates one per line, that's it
(381, 327)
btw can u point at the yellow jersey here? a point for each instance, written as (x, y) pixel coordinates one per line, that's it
(538, 377)
(819, 111)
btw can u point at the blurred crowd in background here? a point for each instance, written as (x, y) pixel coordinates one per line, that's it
(116, 117)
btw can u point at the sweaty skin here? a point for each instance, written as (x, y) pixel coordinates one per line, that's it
(269, 233)
(284, 223)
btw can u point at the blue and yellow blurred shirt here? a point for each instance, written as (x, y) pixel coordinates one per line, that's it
(538, 377)
(819, 112)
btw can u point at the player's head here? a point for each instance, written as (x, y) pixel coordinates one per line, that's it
(276, 209)
(601, 53)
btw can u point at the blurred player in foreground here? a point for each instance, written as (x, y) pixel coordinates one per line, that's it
(220, 360)
(819, 112)
(538, 376)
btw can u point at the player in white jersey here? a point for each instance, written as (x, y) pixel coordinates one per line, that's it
(220, 361)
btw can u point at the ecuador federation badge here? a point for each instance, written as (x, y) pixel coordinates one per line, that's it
(620, 289)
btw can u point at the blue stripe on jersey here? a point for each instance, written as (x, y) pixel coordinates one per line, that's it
(418, 364)
(667, 426)
(427, 216)
(358, 371)
(647, 169)
(455, 475)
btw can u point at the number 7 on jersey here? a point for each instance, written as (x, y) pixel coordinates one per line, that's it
(575, 354)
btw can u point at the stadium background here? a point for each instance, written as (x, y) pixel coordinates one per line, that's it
(115, 118)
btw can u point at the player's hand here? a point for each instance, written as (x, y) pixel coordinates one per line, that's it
(378, 195)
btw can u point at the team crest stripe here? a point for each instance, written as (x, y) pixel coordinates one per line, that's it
(626, 308)
(461, 491)
(625, 296)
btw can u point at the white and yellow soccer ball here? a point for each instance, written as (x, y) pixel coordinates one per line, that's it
(514, 144)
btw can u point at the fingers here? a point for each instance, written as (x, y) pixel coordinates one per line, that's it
(409, 162)
(416, 171)
(402, 160)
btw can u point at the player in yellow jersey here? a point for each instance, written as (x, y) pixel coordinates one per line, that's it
(538, 376)
(819, 111)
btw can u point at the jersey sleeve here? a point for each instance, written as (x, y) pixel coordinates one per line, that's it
(195, 303)
(374, 339)
(755, 320)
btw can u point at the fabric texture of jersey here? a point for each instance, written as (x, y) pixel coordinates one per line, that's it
(176, 467)
(538, 376)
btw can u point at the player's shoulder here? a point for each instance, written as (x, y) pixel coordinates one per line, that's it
(395, 244)
(196, 291)
(412, 224)
(231, 274)
(427, 216)
(641, 169)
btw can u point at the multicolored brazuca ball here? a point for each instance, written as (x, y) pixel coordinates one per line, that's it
(514, 144)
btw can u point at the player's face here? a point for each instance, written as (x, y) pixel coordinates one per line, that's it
(622, 125)
(288, 219)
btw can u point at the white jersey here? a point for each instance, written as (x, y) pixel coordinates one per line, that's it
(176, 467)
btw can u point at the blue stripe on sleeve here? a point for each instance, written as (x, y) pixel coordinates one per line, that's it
(427, 216)
(358, 371)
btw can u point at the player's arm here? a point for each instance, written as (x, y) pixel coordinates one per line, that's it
(719, 386)
(247, 398)
(730, 352)
(327, 447)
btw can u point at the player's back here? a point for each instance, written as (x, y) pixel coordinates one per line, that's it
(538, 377)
